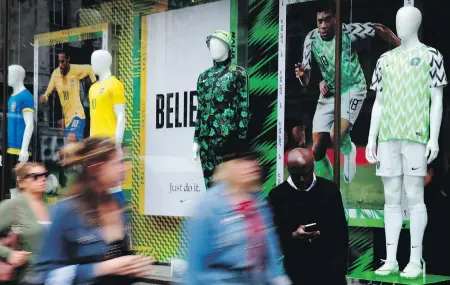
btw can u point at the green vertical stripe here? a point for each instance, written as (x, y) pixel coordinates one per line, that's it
(234, 26)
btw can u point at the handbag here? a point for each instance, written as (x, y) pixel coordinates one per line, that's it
(11, 241)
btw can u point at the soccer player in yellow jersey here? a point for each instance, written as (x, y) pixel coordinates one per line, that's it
(66, 80)
(103, 96)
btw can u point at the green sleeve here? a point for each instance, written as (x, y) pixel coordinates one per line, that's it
(242, 104)
(200, 108)
(6, 214)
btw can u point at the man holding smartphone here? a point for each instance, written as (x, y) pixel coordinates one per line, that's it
(311, 224)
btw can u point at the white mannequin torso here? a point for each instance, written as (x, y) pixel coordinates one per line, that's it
(101, 61)
(16, 76)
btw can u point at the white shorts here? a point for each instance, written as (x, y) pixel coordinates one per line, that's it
(351, 103)
(395, 158)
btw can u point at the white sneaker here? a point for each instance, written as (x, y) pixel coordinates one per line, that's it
(350, 165)
(412, 271)
(388, 268)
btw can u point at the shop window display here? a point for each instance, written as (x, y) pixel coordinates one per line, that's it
(369, 40)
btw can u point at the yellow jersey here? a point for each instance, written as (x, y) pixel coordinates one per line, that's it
(102, 97)
(68, 89)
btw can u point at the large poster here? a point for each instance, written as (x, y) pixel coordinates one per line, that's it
(71, 50)
(306, 107)
(176, 55)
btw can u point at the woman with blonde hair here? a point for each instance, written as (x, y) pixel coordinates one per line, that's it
(87, 242)
(26, 215)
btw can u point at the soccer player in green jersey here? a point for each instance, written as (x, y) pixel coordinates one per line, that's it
(320, 42)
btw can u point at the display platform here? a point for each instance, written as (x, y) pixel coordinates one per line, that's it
(429, 279)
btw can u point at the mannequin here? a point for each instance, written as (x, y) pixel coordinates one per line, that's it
(412, 73)
(20, 118)
(222, 113)
(107, 105)
(21, 101)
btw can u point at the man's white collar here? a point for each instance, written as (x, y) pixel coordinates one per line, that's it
(289, 180)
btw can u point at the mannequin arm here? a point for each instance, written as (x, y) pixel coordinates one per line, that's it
(29, 127)
(200, 107)
(374, 128)
(386, 34)
(376, 118)
(119, 110)
(435, 123)
(242, 105)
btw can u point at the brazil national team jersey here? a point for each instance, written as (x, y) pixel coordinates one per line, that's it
(17, 105)
(405, 79)
(68, 88)
(352, 75)
(102, 97)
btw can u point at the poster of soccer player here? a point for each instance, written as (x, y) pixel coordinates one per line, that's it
(307, 88)
(62, 77)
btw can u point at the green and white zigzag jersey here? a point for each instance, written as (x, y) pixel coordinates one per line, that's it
(405, 79)
(352, 75)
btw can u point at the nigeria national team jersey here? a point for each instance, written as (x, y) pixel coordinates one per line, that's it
(17, 105)
(352, 75)
(405, 79)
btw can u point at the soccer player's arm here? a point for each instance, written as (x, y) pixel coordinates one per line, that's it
(361, 31)
(242, 104)
(50, 87)
(305, 68)
(86, 70)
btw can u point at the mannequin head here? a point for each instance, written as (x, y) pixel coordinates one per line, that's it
(16, 75)
(101, 61)
(408, 22)
(219, 49)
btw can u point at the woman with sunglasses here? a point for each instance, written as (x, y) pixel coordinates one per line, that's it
(87, 242)
(27, 215)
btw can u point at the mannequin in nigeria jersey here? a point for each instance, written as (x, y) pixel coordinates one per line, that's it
(223, 105)
(406, 120)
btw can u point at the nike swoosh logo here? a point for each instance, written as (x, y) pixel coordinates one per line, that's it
(182, 201)
(390, 244)
(415, 168)
(415, 246)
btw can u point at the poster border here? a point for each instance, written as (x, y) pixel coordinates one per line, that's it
(356, 216)
(60, 37)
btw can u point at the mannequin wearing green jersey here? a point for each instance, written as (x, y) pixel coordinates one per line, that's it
(222, 112)
(406, 120)
(320, 42)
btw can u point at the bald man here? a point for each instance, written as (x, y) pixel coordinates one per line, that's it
(315, 254)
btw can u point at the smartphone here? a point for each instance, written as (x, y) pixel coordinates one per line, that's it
(311, 227)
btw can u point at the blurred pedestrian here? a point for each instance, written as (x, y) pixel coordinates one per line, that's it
(27, 216)
(87, 242)
(232, 240)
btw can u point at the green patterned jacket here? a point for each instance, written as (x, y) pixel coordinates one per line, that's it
(223, 102)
